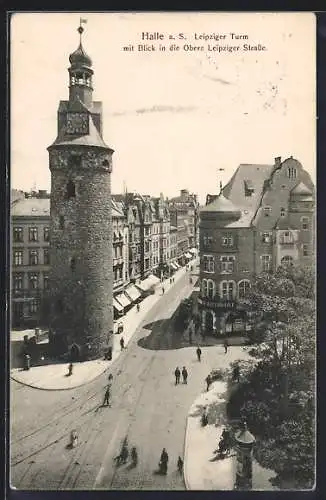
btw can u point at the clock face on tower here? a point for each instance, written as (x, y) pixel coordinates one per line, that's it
(77, 123)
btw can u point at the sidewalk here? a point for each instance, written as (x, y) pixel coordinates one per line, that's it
(54, 376)
(201, 470)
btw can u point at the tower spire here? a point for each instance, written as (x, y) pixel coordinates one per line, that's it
(80, 28)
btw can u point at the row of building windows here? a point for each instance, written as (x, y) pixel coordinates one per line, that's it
(33, 234)
(33, 257)
(226, 264)
(33, 280)
(228, 290)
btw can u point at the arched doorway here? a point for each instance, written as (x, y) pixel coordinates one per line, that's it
(209, 321)
(75, 352)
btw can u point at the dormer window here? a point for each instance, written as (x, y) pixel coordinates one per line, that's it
(249, 187)
(282, 212)
(266, 237)
(61, 222)
(286, 237)
(73, 263)
(267, 211)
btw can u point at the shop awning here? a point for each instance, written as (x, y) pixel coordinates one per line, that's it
(123, 299)
(193, 251)
(117, 306)
(188, 255)
(148, 283)
(132, 293)
(177, 265)
(173, 266)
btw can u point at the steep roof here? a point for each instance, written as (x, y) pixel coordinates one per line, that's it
(301, 189)
(283, 223)
(35, 207)
(220, 204)
(93, 138)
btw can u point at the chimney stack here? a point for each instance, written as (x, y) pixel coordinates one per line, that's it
(278, 161)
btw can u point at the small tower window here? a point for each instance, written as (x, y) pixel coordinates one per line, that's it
(292, 173)
(282, 212)
(267, 211)
(73, 263)
(71, 189)
(61, 222)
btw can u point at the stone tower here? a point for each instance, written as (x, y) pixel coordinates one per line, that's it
(81, 280)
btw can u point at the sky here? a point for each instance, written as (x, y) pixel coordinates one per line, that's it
(173, 118)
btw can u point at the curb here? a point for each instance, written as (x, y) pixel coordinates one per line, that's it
(185, 470)
(141, 317)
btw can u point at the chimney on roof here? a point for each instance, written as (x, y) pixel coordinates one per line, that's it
(184, 194)
(278, 161)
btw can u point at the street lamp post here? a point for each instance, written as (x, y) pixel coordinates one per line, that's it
(244, 446)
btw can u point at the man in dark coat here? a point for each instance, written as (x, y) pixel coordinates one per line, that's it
(184, 374)
(122, 343)
(177, 374)
(208, 381)
(107, 396)
(226, 344)
(198, 352)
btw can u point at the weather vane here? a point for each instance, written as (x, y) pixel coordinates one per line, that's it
(80, 28)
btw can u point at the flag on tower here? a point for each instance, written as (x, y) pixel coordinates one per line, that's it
(83, 21)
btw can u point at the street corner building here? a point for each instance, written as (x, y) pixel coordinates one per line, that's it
(262, 219)
(81, 277)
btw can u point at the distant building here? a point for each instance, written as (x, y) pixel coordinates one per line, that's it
(263, 218)
(184, 216)
(30, 257)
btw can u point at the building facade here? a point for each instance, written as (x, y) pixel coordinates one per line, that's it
(81, 279)
(30, 257)
(184, 216)
(263, 218)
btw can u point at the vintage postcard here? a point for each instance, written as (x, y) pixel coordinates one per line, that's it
(162, 251)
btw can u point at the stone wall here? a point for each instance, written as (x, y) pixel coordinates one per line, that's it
(81, 279)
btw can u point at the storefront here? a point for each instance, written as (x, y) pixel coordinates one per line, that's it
(223, 318)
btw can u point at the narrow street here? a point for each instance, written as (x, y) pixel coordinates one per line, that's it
(147, 408)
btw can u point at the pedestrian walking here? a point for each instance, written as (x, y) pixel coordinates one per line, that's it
(177, 374)
(236, 374)
(184, 374)
(107, 396)
(208, 381)
(70, 369)
(122, 343)
(138, 307)
(226, 344)
(198, 352)
(180, 464)
(170, 281)
(163, 290)
(163, 463)
(204, 417)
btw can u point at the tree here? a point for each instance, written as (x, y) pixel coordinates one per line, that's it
(278, 397)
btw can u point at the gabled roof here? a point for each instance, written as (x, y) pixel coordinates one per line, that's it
(283, 223)
(301, 189)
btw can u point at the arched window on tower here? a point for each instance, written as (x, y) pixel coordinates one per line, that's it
(61, 222)
(71, 189)
(73, 263)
